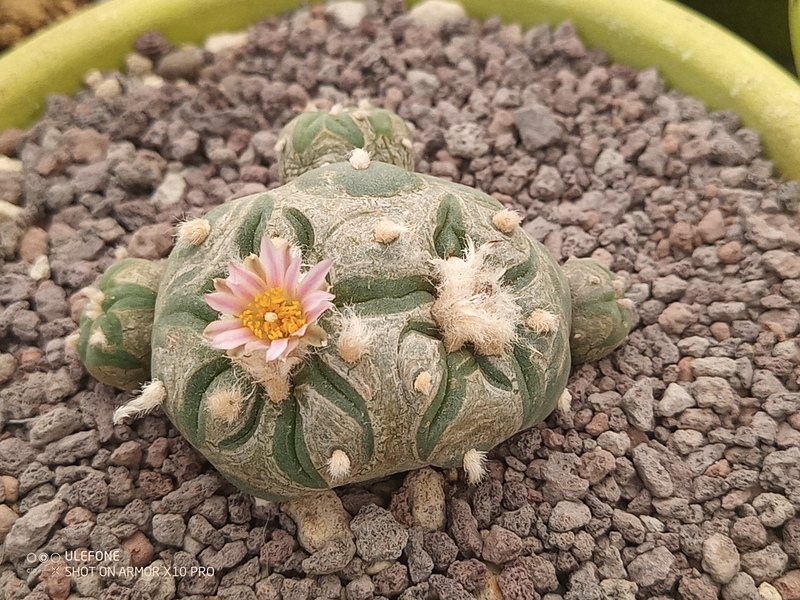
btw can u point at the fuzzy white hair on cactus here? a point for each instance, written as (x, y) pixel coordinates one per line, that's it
(355, 336)
(152, 396)
(506, 220)
(98, 339)
(542, 321)
(226, 404)
(338, 465)
(359, 159)
(472, 306)
(474, 465)
(194, 232)
(386, 231)
(94, 306)
(422, 383)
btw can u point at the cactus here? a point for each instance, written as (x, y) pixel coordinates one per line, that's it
(116, 324)
(362, 320)
(317, 138)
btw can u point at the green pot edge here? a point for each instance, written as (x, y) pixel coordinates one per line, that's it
(694, 54)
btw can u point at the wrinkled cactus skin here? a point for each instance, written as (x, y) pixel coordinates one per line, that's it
(125, 322)
(369, 409)
(600, 318)
(313, 139)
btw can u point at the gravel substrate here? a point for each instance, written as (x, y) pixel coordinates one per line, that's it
(675, 475)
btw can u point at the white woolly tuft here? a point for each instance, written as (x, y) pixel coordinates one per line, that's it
(73, 339)
(422, 384)
(472, 306)
(152, 396)
(194, 232)
(359, 159)
(94, 307)
(506, 220)
(336, 109)
(310, 107)
(385, 231)
(354, 336)
(407, 143)
(565, 401)
(226, 404)
(364, 104)
(359, 115)
(273, 375)
(626, 303)
(280, 145)
(542, 321)
(474, 465)
(120, 253)
(98, 339)
(338, 465)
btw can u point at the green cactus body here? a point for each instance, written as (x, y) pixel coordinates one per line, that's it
(370, 409)
(316, 138)
(114, 341)
(601, 317)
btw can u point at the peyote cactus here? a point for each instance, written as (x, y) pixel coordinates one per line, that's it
(362, 320)
(117, 322)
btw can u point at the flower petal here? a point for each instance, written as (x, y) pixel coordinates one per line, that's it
(228, 340)
(291, 277)
(315, 278)
(315, 336)
(275, 261)
(253, 264)
(256, 344)
(277, 349)
(226, 303)
(243, 282)
(314, 309)
(221, 325)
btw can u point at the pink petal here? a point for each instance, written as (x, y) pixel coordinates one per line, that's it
(275, 261)
(276, 349)
(315, 308)
(315, 278)
(291, 277)
(226, 303)
(256, 344)
(244, 283)
(222, 325)
(228, 340)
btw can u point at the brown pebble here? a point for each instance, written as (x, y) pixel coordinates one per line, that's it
(730, 253)
(140, 549)
(56, 578)
(30, 358)
(152, 241)
(9, 138)
(598, 424)
(10, 486)
(712, 226)
(33, 244)
(720, 331)
(128, 454)
(721, 468)
(7, 519)
(78, 514)
(157, 452)
(681, 236)
(685, 369)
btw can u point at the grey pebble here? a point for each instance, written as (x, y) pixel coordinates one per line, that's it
(378, 535)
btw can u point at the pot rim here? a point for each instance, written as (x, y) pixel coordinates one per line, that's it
(694, 54)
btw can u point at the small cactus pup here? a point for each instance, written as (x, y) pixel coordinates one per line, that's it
(117, 323)
(363, 320)
(316, 138)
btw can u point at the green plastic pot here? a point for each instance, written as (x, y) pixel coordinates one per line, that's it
(694, 54)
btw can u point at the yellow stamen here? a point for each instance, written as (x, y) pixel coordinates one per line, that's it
(271, 316)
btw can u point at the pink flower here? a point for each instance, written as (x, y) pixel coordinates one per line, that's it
(267, 304)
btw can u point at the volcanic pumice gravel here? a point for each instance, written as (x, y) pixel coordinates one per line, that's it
(676, 473)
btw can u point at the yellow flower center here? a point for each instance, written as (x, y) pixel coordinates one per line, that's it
(271, 316)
